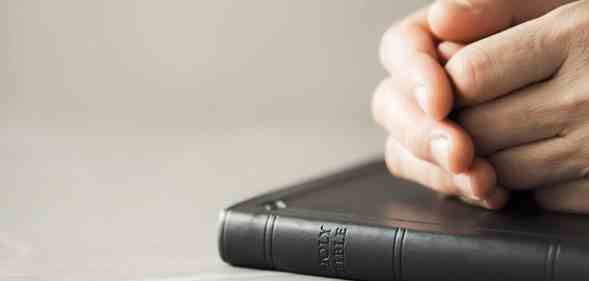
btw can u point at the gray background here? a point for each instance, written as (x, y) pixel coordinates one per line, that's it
(125, 126)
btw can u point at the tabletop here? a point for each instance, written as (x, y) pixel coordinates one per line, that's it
(126, 126)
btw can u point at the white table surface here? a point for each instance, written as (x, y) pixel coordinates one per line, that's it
(126, 126)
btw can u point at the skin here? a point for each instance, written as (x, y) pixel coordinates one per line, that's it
(514, 73)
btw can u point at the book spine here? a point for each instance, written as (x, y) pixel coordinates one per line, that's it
(363, 252)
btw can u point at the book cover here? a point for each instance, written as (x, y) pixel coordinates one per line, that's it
(364, 224)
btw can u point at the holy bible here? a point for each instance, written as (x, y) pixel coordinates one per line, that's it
(364, 224)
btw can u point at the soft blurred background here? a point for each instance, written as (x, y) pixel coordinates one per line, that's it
(125, 126)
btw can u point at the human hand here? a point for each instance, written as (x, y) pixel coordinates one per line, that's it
(532, 119)
(419, 92)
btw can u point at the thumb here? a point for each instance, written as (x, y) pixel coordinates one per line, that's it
(471, 20)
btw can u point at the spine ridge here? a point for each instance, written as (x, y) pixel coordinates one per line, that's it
(398, 254)
(268, 238)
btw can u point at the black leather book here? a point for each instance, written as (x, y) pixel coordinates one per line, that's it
(364, 224)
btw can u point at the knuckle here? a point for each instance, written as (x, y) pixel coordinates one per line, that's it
(392, 159)
(394, 44)
(468, 70)
(572, 24)
(393, 166)
(574, 106)
(389, 44)
(568, 16)
(575, 152)
(384, 46)
(378, 104)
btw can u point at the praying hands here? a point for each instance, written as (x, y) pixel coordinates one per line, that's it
(489, 96)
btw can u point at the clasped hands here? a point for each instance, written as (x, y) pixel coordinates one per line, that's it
(514, 77)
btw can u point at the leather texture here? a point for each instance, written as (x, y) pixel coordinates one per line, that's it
(363, 224)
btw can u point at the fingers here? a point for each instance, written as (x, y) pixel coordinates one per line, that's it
(477, 186)
(505, 62)
(526, 116)
(538, 164)
(470, 20)
(567, 197)
(439, 142)
(408, 52)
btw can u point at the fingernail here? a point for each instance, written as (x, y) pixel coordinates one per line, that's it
(471, 201)
(467, 5)
(464, 184)
(440, 150)
(488, 204)
(421, 95)
(497, 200)
(463, 3)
